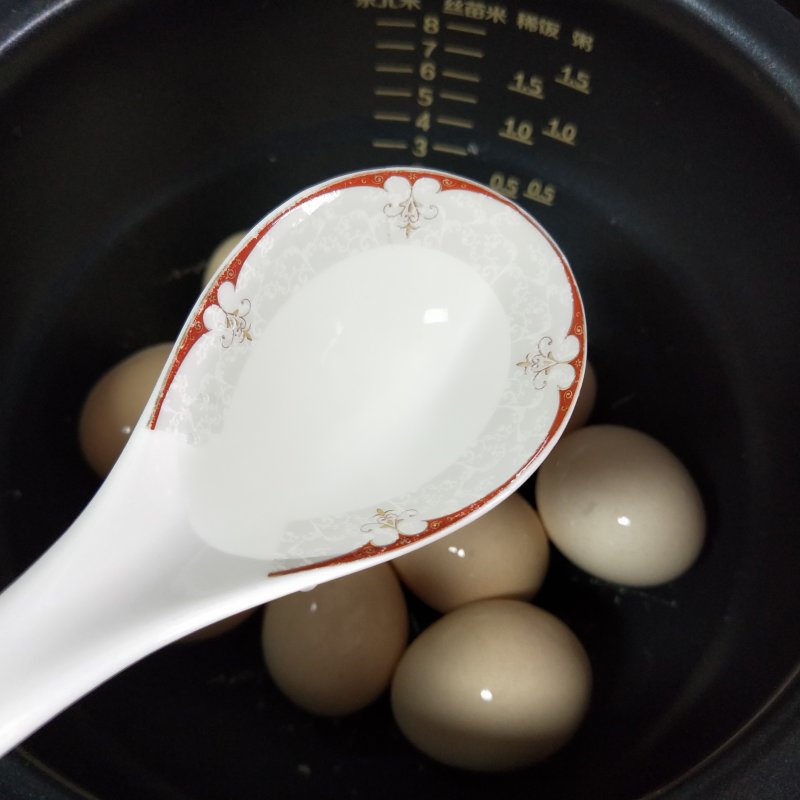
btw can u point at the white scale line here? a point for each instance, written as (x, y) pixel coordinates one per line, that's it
(458, 97)
(391, 116)
(460, 50)
(455, 122)
(390, 144)
(458, 75)
(450, 149)
(407, 47)
(391, 91)
(394, 22)
(463, 27)
(399, 69)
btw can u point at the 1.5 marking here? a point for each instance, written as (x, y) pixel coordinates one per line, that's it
(529, 85)
(577, 80)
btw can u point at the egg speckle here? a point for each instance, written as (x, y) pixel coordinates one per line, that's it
(332, 650)
(504, 553)
(621, 506)
(113, 406)
(220, 253)
(493, 685)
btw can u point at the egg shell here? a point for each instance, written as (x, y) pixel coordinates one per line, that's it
(504, 553)
(332, 650)
(114, 404)
(621, 506)
(494, 685)
(220, 253)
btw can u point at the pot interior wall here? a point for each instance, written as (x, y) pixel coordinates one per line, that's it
(155, 133)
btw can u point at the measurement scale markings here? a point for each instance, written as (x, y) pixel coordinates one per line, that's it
(460, 50)
(390, 144)
(464, 27)
(572, 84)
(527, 91)
(455, 122)
(515, 137)
(450, 149)
(559, 137)
(407, 47)
(458, 75)
(391, 116)
(398, 69)
(536, 190)
(395, 22)
(458, 97)
(540, 197)
(391, 91)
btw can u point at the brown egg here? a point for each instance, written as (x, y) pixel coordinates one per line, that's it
(493, 685)
(621, 506)
(220, 253)
(586, 399)
(332, 650)
(113, 406)
(504, 553)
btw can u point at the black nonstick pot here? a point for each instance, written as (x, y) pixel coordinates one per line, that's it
(658, 141)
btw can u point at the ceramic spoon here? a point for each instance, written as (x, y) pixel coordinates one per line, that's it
(380, 360)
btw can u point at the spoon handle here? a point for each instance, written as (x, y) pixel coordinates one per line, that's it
(128, 577)
(89, 607)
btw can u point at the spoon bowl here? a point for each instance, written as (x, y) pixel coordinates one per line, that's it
(380, 360)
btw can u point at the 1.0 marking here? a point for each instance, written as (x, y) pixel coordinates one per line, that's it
(565, 133)
(521, 131)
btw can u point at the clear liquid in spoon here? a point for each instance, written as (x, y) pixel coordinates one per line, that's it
(373, 378)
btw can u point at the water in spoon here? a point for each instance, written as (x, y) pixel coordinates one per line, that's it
(371, 380)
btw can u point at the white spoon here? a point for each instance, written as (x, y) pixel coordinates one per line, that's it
(379, 361)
